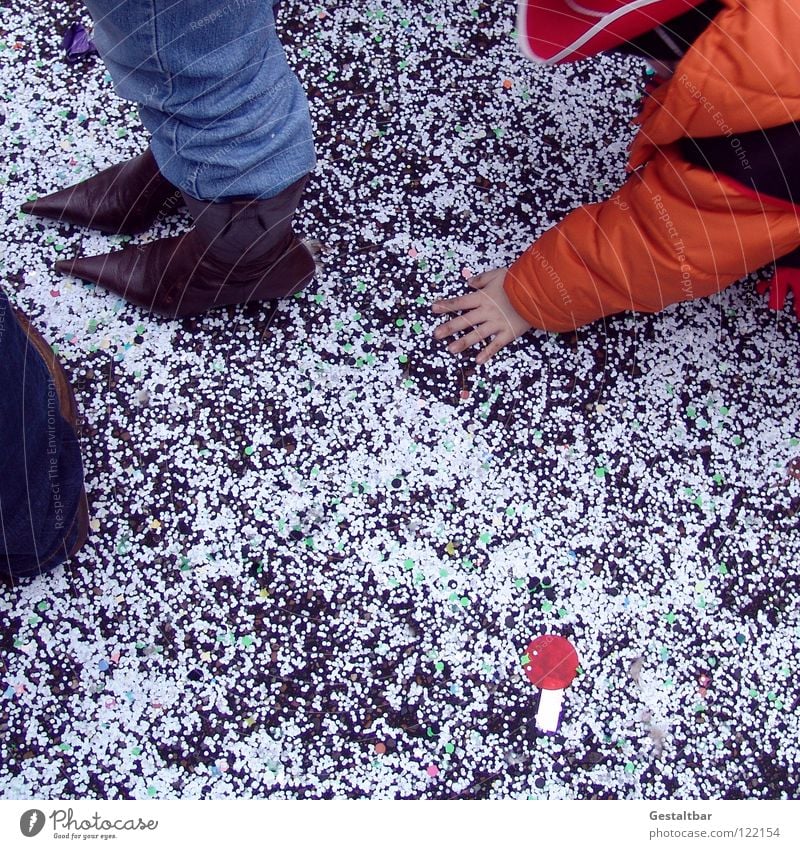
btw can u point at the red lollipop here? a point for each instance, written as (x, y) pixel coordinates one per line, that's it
(552, 664)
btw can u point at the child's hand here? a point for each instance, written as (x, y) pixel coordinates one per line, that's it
(487, 311)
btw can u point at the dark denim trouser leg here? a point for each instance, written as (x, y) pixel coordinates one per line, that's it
(41, 475)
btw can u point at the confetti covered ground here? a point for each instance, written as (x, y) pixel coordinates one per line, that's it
(321, 544)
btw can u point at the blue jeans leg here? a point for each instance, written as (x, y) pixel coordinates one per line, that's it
(227, 115)
(41, 475)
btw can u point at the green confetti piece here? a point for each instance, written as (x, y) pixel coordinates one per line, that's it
(630, 767)
(439, 665)
(249, 450)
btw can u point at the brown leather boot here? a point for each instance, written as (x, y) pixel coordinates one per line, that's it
(126, 198)
(238, 251)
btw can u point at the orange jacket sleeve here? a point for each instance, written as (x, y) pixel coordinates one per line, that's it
(673, 232)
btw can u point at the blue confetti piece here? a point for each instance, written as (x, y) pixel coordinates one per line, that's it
(9, 693)
(103, 665)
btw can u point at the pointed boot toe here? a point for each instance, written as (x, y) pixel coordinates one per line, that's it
(126, 198)
(237, 252)
(125, 273)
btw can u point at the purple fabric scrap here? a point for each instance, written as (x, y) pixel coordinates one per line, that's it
(77, 44)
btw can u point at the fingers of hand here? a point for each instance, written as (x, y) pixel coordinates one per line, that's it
(499, 342)
(487, 278)
(464, 302)
(476, 336)
(456, 325)
(478, 281)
